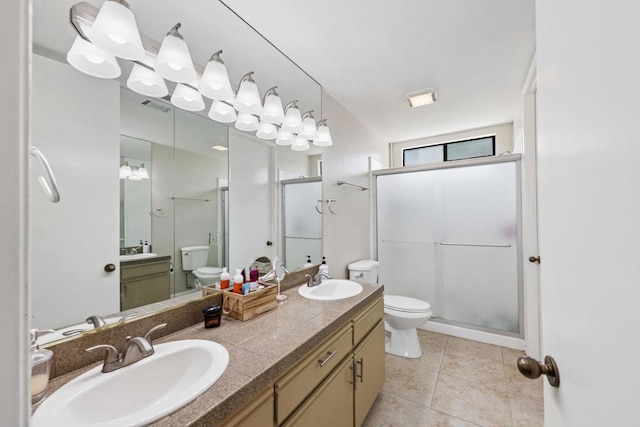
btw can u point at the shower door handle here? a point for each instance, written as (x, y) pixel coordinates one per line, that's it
(533, 259)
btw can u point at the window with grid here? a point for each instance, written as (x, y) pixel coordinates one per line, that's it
(458, 150)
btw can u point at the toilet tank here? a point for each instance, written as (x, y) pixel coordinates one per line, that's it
(365, 270)
(194, 257)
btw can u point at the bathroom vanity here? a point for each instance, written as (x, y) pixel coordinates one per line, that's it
(144, 281)
(305, 363)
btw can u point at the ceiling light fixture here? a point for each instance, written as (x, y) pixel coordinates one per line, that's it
(115, 31)
(248, 97)
(272, 111)
(324, 136)
(423, 97)
(91, 60)
(309, 130)
(292, 119)
(146, 82)
(215, 83)
(187, 98)
(219, 147)
(174, 60)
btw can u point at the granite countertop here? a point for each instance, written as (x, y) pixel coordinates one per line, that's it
(260, 351)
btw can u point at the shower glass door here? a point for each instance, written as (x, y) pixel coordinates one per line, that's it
(451, 237)
(302, 220)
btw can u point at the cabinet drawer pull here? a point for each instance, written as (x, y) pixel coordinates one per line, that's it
(361, 363)
(326, 360)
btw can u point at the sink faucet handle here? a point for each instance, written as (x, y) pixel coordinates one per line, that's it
(96, 321)
(112, 355)
(147, 336)
(128, 316)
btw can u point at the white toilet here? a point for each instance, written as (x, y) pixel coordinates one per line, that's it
(194, 260)
(402, 315)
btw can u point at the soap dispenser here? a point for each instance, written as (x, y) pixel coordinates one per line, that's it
(40, 368)
(324, 268)
(308, 263)
(146, 248)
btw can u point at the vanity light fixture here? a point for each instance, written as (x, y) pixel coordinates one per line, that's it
(300, 144)
(90, 59)
(146, 82)
(267, 131)
(248, 97)
(324, 136)
(292, 119)
(125, 170)
(115, 31)
(215, 83)
(222, 112)
(174, 60)
(219, 147)
(284, 137)
(187, 98)
(423, 97)
(247, 122)
(309, 130)
(143, 173)
(272, 111)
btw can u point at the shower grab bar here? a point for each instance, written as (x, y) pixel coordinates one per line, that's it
(303, 238)
(188, 198)
(417, 242)
(474, 245)
(48, 184)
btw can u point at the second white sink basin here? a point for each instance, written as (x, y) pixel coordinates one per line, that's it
(137, 394)
(331, 289)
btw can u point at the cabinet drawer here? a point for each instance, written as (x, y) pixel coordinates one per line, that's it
(143, 269)
(296, 385)
(365, 321)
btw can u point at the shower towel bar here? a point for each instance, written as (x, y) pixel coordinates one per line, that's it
(474, 245)
(187, 198)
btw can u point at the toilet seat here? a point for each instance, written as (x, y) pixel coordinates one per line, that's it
(208, 271)
(406, 304)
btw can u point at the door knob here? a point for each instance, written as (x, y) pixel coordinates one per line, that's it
(534, 259)
(532, 369)
(109, 268)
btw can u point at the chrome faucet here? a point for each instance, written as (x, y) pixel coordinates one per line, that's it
(96, 321)
(135, 349)
(317, 279)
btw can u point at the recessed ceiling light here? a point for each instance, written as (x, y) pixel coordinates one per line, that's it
(219, 147)
(424, 97)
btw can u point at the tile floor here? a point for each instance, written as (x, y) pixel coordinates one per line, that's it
(457, 383)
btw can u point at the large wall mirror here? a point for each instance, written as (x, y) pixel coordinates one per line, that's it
(194, 196)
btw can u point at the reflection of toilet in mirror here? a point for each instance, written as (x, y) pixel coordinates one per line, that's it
(402, 314)
(194, 261)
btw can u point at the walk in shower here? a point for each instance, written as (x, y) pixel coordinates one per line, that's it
(449, 234)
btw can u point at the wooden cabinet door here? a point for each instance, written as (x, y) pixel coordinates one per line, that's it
(257, 414)
(369, 368)
(331, 404)
(145, 291)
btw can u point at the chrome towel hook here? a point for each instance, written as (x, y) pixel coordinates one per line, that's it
(48, 184)
(329, 203)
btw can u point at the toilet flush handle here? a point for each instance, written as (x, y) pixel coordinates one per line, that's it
(359, 274)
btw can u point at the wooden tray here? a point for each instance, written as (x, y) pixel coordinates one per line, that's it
(245, 307)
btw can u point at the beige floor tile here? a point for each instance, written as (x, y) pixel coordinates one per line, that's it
(389, 410)
(474, 348)
(522, 386)
(510, 356)
(431, 357)
(408, 379)
(473, 368)
(433, 339)
(526, 412)
(482, 404)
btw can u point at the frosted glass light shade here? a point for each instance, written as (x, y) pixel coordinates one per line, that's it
(292, 120)
(174, 61)
(267, 131)
(91, 60)
(300, 144)
(272, 111)
(143, 172)
(215, 83)
(247, 122)
(146, 82)
(284, 137)
(221, 112)
(125, 171)
(248, 98)
(309, 130)
(187, 98)
(324, 137)
(115, 31)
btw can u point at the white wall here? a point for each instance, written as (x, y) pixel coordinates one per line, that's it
(346, 236)
(503, 133)
(15, 405)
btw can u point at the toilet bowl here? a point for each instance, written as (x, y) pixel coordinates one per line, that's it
(402, 315)
(206, 276)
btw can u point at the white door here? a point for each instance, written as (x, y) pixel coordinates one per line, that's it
(75, 121)
(589, 208)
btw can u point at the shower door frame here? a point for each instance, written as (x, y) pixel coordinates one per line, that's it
(464, 330)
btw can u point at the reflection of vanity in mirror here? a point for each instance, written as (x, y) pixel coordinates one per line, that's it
(255, 199)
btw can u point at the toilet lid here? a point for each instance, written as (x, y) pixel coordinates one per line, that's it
(209, 271)
(405, 304)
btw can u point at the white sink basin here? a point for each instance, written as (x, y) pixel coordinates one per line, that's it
(137, 394)
(331, 289)
(137, 256)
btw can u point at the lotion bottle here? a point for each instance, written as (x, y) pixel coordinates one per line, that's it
(324, 268)
(238, 280)
(146, 248)
(225, 278)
